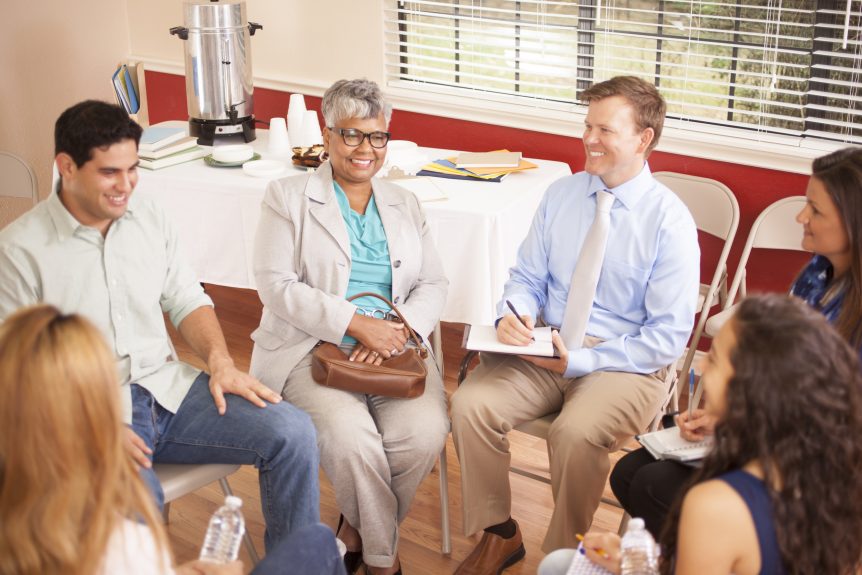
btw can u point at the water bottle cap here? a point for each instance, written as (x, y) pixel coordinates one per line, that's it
(233, 501)
(635, 524)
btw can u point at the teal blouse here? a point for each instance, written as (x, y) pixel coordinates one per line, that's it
(370, 268)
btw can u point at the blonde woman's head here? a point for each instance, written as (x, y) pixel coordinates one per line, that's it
(65, 478)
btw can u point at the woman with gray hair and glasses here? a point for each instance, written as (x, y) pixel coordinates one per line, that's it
(322, 238)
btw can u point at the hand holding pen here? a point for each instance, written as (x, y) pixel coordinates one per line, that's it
(696, 426)
(603, 549)
(515, 329)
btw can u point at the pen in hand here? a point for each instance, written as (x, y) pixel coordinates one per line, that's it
(601, 552)
(520, 319)
(690, 393)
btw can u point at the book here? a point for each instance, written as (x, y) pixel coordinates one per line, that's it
(156, 137)
(484, 338)
(177, 158)
(499, 159)
(130, 90)
(173, 148)
(435, 174)
(669, 444)
(118, 81)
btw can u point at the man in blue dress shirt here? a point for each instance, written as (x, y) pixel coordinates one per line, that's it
(610, 388)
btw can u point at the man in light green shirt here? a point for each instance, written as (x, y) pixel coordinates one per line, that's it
(95, 249)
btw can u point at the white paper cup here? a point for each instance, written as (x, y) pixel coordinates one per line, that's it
(310, 134)
(295, 112)
(279, 143)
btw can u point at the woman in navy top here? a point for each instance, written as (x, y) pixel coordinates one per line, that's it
(830, 283)
(781, 492)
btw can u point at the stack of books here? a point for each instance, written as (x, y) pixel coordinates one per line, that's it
(478, 166)
(163, 146)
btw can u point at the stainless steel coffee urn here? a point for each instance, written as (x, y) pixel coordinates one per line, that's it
(219, 89)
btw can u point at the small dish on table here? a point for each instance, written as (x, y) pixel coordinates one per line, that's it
(210, 161)
(233, 153)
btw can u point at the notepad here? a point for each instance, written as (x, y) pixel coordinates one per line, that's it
(669, 444)
(484, 338)
(580, 565)
(488, 159)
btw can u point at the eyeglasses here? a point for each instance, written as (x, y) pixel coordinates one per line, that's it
(353, 137)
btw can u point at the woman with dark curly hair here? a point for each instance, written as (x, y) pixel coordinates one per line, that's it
(781, 492)
(831, 283)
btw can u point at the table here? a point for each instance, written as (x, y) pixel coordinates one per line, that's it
(477, 229)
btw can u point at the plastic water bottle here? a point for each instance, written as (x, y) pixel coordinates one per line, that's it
(224, 534)
(639, 551)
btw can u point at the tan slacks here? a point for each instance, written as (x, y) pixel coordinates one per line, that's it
(598, 413)
(375, 450)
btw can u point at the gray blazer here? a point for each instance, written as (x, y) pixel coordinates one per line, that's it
(302, 267)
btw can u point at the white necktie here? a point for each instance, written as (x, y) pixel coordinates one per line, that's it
(582, 291)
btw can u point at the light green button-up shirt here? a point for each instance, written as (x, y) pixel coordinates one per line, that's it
(122, 283)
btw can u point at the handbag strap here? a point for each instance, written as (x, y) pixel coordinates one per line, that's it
(410, 332)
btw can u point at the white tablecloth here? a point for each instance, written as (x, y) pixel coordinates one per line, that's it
(478, 228)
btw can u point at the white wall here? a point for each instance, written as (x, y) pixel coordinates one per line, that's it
(304, 45)
(53, 54)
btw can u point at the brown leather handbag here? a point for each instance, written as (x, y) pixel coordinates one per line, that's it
(402, 375)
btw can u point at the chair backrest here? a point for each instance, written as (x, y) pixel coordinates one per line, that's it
(17, 179)
(716, 212)
(775, 228)
(711, 203)
(18, 188)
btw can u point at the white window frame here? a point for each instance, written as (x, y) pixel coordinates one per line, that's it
(688, 138)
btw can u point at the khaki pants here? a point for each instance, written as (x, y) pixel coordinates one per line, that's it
(375, 450)
(598, 413)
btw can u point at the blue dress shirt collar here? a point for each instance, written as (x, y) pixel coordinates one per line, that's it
(628, 193)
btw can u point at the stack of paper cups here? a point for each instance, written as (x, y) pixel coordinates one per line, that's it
(279, 142)
(295, 113)
(310, 134)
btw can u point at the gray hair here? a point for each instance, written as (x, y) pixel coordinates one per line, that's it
(354, 99)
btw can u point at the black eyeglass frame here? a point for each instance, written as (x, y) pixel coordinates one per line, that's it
(365, 135)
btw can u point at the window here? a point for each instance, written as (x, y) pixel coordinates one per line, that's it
(785, 67)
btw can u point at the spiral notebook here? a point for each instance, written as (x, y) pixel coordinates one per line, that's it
(582, 566)
(668, 444)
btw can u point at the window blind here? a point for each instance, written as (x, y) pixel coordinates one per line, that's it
(776, 66)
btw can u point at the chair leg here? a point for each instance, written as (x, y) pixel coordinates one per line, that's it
(446, 539)
(166, 513)
(246, 538)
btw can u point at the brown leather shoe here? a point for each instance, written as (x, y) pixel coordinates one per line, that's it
(493, 554)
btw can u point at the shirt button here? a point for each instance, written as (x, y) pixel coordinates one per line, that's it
(113, 282)
(396, 264)
(119, 317)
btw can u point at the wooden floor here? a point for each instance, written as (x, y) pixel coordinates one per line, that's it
(239, 312)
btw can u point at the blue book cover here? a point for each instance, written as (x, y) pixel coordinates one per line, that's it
(130, 90)
(156, 137)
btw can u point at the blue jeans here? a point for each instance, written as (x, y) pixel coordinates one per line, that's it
(310, 550)
(279, 440)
